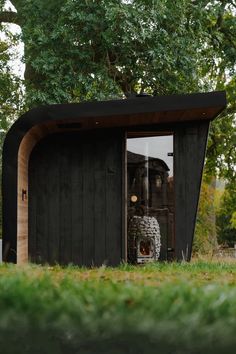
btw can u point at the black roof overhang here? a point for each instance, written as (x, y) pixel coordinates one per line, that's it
(129, 112)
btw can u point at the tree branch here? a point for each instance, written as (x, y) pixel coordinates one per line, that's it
(123, 80)
(9, 17)
(17, 4)
(221, 14)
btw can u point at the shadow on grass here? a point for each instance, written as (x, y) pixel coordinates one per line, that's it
(17, 341)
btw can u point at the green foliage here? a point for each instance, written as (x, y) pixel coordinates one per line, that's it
(176, 308)
(226, 216)
(219, 70)
(233, 220)
(109, 48)
(205, 231)
(221, 155)
(10, 97)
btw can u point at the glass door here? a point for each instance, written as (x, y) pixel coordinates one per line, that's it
(150, 192)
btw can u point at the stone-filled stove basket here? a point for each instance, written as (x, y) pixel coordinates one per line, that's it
(144, 239)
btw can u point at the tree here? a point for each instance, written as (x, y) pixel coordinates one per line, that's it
(82, 50)
(11, 95)
(10, 88)
(226, 216)
(220, 71)
(106, 48)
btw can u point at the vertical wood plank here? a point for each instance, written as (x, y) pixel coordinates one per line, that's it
(88, 203)
(113, 200)
(124, 196)
(53, 195)
(41, 211)
(32, 211)
(196, 176)
(100, 207)
(65, 200)
(77, 195)
(192, 176)
(190, 147)
(180, 192)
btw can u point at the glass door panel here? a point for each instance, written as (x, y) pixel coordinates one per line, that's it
(150, 184)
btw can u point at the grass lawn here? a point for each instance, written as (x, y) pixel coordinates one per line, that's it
(157, 308)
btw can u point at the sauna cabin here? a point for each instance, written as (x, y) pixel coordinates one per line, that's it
(74, 175)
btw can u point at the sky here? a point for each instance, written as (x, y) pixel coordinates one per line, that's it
(16, 64)
(156, 146)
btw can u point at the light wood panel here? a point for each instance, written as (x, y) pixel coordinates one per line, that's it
(26, 146)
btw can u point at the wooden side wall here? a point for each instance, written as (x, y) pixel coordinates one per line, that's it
(189, 153)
